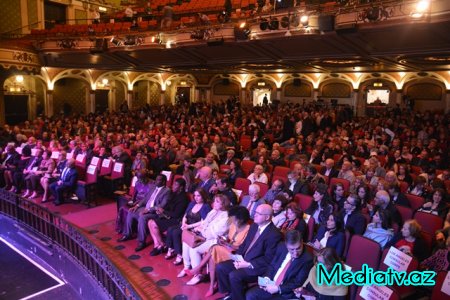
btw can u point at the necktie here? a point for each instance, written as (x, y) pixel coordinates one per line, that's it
(255, 238)
(283, 273)
(151, 201)
(64, 173)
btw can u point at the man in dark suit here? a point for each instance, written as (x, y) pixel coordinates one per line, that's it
(257, 250)
(328, 169)
(398, 197)
(382, 200)
(66, 183)
(351, 215)
(288, 270)
(206, 180)
(296, 185)
(144, 210)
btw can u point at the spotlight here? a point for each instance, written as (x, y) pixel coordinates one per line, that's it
(422, 6)
(264, 24)
(274, 24)
(304, 20)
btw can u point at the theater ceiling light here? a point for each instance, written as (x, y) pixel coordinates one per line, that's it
(19, 78)
(304, 20)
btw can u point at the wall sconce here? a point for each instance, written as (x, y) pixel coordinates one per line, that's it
(261, 83)
(183, 82)
(378, 84)
(19, 78)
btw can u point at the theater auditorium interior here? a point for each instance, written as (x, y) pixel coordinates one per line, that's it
(186, 149)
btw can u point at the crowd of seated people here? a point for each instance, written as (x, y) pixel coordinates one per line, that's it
(225, 159)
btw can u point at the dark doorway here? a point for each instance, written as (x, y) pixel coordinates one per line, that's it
(16, 109)
(54, 14)
(183, 95)
(101, 101)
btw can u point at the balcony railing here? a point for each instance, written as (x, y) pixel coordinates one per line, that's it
(41, 221)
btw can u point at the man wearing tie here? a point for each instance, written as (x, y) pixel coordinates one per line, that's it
(253, 199)
(67, 182)
(145, 210)
(257, 250)
(288, 270)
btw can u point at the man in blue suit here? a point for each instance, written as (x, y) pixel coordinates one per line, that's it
(66, 183)
(257, 250)
(288, 270)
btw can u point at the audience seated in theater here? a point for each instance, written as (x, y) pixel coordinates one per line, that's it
(66, 183)
(440, 260)
(437, 205)
(238, 219)
(141, 192)
(223, 186)
(382, 200)
(33, 178)
(418, 187)
(321, 207)
(329, 169)
(279, 212)
(338, 197)
(410, 241)
(331, 234)
(210, 229)
(289, 269)
(397, 197)
(294, 220)
(257, 250)
(49, 178)
(196, 211)
(252, 200)
(351, 215)
(9, 162)
(258, 175)
(168, 216)
(24, 167)
(276, 188)
(206, 179)
(380, 229)
(146, 209)
(296, 184)
(235, 171)
(329, 259)
(346, 172)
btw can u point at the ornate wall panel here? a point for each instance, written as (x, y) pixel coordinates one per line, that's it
(71, 91)
(11, 18)
(336, 90)
(32, 10)
(120, 95)
(155, 94)
(292, 90)
(425, 91)
(140, 94)
(226, 89)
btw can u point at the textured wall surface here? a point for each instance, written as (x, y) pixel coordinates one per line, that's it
(32, 13)
(71, 91)
(292, 90)
(11, 19)
(336, 90)
(155, 94)
(140, 94)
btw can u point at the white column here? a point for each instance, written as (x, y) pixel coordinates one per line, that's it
(49, 103)
(130, 99)
(162, 98)
(91, 102)
(355, 100)
(208, 96)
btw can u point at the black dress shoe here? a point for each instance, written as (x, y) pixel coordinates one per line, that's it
(140, 247)
(124, 238)
(156, 251)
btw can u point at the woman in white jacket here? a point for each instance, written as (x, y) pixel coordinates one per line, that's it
(211, 228)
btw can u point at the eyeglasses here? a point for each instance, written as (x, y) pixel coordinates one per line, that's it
(261, 214)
